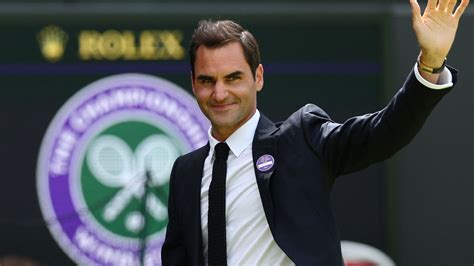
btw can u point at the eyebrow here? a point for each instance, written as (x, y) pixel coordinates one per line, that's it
(204, 77)
(231, 75)
(234, 74)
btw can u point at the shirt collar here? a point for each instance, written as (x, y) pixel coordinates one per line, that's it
(240, 139)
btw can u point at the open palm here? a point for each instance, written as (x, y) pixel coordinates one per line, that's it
(436, 28)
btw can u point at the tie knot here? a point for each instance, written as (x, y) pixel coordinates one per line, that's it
(221, 150)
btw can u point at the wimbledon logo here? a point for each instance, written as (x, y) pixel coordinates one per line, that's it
(104, 167)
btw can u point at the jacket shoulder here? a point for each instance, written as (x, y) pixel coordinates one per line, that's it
(193, 155)
(313, 110)
(309, 113)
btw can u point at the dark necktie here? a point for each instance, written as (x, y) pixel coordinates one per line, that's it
(217, 249)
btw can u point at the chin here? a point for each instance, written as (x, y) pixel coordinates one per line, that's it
(224, 119)
(223, 124)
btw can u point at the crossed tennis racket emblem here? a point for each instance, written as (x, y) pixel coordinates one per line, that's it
(115, 165)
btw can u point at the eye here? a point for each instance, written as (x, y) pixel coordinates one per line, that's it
(206, 81)
(233, 78)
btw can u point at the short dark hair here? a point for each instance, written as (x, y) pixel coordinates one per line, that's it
(214, 34)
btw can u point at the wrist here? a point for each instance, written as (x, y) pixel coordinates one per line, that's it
(431, 60)
(433, 67)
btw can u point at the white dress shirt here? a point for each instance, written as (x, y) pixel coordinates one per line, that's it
(249, 239)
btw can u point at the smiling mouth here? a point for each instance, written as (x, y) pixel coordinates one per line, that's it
(222, 107)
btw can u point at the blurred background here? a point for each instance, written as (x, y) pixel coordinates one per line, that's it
(348, 57)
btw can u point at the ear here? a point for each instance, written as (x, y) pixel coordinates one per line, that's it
(192, 82)
(259, 77)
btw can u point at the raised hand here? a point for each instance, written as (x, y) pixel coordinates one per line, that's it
(436, 28)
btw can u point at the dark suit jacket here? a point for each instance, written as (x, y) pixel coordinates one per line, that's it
(310, 151)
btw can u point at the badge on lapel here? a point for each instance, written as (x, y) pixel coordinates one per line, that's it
(265, 163)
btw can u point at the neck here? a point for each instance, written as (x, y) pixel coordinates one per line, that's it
(222, 133)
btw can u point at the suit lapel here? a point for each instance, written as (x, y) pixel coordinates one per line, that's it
(195, 171)
(265, 144)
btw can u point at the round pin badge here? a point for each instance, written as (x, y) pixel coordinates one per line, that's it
(265, 162)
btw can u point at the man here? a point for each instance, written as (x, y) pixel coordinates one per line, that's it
(259, 192)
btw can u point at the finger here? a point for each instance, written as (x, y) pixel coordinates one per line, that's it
(442, 4)
(415, 11)
(432, 4)
(450, 6)
(461, 8)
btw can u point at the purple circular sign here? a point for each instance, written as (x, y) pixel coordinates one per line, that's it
(113, 133)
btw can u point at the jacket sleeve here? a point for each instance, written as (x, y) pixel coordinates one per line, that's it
(173, 251)
(364, 140)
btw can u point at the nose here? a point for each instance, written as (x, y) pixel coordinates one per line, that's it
(220, 92)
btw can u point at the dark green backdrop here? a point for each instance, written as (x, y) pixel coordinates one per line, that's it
(335, 64)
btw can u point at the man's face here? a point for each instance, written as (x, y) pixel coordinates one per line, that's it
(225, 88)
